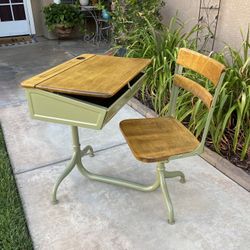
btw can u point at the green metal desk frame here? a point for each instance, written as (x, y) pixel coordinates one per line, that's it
(77, 162)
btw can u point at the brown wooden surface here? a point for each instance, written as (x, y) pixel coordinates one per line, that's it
(202, 64)
(193, 87)
(156, 139)
(98, 75)
(35, 80)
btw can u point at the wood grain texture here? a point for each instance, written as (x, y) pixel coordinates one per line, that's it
(195, 88)
(35, 80)
(202, 64)
(156, 139)
(99, 75)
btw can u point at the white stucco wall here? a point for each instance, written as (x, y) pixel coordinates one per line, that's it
(234, 15)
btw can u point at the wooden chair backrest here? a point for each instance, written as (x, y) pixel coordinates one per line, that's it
(204, 65)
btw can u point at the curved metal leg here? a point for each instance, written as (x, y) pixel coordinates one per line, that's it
(167, 199)
(66, 172)
(173, 174)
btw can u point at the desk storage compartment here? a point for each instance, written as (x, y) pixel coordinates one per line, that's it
(82, 111)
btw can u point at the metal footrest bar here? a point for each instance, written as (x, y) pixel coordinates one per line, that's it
(118, 182)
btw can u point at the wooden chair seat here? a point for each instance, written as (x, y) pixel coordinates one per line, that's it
(156, 139)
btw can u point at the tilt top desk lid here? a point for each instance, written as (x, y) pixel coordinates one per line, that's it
(86, 91)
(89, 75)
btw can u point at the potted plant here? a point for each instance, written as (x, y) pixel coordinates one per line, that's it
(62, 18)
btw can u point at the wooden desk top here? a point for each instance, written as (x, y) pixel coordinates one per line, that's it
(90, 75)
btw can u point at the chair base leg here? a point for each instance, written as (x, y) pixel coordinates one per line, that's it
(173, 174)
(161, 172)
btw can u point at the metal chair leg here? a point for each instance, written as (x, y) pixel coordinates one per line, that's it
(166, 196)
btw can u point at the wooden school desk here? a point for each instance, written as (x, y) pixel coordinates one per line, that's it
(86, 91)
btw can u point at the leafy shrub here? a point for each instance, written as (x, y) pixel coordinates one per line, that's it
(232, 117)
(230, 127)
(68, 15)
(126, 18)
(162, 46)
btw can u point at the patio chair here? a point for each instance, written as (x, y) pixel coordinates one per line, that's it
(162, 139)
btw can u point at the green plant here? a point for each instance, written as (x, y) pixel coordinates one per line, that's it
(100, 5)
(230, 128)
(67, 15)
(162, 47)
(14, 233)
(127, 18)
(233, 116)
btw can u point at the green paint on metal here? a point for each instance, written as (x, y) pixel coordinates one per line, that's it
(173, 174)
(61, 109)
(66, 172)
(211, 111)
(166, 196)
(174, 94)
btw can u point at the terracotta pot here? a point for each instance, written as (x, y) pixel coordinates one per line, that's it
(62, 32)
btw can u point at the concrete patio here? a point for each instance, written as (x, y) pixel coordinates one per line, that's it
(212, 211)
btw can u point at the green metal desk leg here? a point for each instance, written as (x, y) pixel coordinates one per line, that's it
(78, 153)
(66, 172)
(167, 199)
